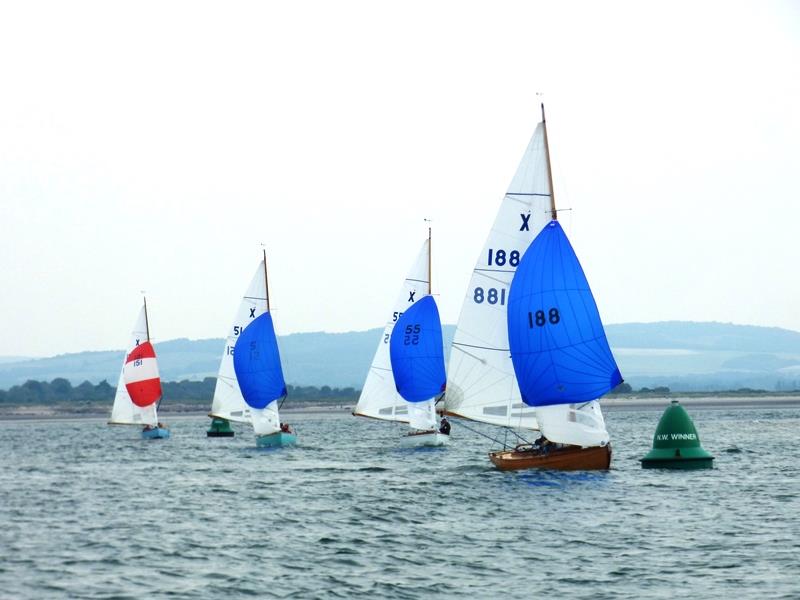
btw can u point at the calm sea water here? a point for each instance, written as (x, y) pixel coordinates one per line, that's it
(90, 511)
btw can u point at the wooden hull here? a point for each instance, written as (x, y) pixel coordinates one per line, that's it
(424, 438)
(571, 458)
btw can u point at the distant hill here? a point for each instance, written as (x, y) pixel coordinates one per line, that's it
(688, 356)
(333, 359)
(678, 354)
(12, 359)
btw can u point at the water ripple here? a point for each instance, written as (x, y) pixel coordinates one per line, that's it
(349, 514)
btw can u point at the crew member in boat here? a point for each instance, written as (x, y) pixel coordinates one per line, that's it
(285, 428)
(444, 426)
(542, 444)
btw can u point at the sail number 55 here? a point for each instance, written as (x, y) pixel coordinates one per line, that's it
(490, 295)
(412, 335)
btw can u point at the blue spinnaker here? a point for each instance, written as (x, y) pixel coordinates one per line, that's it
(416, 352)
(558, 346)
(257, 363)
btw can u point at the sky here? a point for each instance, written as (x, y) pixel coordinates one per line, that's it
(157, 145)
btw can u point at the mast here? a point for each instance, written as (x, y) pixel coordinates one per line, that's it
(430, 276)
(553, 213)
(146, 322)
(266, 279)
(266, 289)
(147, 328)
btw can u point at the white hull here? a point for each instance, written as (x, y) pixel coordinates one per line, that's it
(426, 438)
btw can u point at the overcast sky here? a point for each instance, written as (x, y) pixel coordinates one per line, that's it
(155, 145)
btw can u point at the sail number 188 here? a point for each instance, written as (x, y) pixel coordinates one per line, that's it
(540, 319)
(501, 257)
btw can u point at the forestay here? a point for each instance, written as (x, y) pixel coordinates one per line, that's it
(257, 364)
(559, 349)
(379, 398)
(228, 402)
(481, 383)
(124, 411)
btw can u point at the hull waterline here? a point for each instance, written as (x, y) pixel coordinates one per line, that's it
(276, 440)
(424, 438)
(571, 458)
(157, 433)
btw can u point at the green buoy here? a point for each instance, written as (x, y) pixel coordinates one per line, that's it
(220, 428)
(676, 444)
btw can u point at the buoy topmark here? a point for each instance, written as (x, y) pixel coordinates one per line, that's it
(676, 444)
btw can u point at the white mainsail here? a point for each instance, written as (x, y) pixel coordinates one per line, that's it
(422, 415)
(379, 398)
(481, 385)
(124, 411)
(576, 424)
(266, 420)
(228, 402)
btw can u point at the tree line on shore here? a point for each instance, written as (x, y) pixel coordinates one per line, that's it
(62, 390)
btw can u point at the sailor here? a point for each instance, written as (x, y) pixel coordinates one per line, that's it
(543, 444)
(444, 426)
(285, 428)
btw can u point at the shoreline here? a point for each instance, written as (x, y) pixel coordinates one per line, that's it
(97, 412)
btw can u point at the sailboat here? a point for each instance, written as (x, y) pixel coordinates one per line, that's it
(228, 403)
(407, 372)
(250, 385)
(530, 352)
(139, 387)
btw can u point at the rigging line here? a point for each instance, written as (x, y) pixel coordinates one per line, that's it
(252, 298)
(495, 270)
(518, 435)
(491, 278)
(527, 194)
(473, 430)
(480, 347)
(417, 280)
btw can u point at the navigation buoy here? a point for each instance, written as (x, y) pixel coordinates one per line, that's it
(676, 444)
(220, 428)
